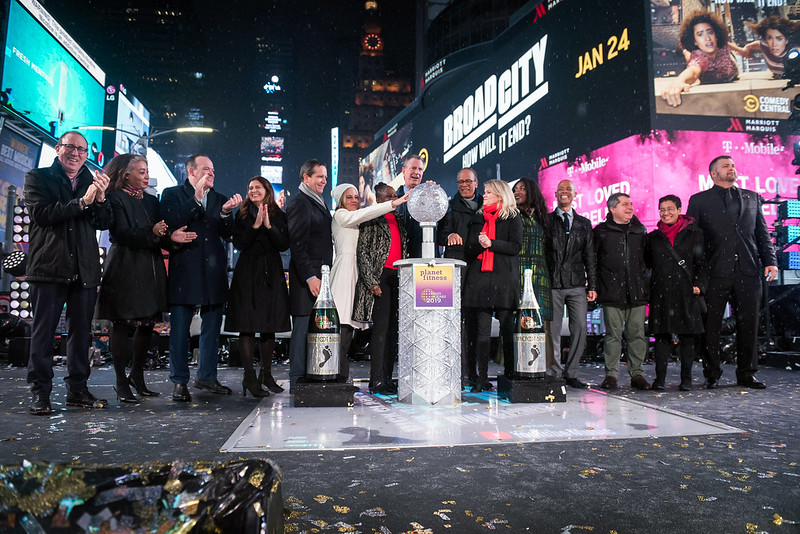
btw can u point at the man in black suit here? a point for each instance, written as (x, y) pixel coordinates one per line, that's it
(572, 263)
(197, 273)
(738, 251)
(413, 168)
(311, 244)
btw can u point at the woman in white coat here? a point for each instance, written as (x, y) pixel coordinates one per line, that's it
(344, 273)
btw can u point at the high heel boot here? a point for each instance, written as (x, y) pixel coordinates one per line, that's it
(266, 347)
(141, 341)
(253, 385)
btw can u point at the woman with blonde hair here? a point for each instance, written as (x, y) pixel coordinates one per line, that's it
(492, 248)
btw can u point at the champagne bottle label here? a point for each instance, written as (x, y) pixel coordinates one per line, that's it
(529, 351)
(323, 355)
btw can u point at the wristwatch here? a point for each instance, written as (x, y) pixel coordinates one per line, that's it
(82, 203)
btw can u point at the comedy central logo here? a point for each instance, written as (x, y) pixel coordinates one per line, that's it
(751, 103)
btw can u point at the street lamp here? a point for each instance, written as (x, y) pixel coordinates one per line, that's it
(141, 142)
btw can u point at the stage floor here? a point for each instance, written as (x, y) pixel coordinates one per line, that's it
(378, 422)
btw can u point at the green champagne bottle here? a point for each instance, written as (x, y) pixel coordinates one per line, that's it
(324, 334)
(530, 338)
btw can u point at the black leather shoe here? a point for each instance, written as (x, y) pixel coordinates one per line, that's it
(180, 393)
(711, 383)
(141, 387)
(213, 387)
(751, 383)
(686, 385)
(40, 404)
(478, 387)
(657, 386)
(575, 383)
(85, 399)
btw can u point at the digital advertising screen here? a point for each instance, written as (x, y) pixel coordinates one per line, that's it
(273, 173)
(721, 67)
(18, 155)
(562, 80)
(648, 167)
(133, 122)
(272, 149)
(49, 86)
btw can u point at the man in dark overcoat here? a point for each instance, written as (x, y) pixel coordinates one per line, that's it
(738, 252)
(623, 289)
(413, 169)
(67, 205)
(197, 273)
(311, 243)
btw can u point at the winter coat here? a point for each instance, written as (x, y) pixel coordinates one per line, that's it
(258, 300)
(572, 261)
(456, 221)
(63, 247)
(312, 247)
(498, 288)
(674, 309)
(745, 243)
(621, 270)
(135, 279)
(198, 270)
(374, 242)
(344, 273)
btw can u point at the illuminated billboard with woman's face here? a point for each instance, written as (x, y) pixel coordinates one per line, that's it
(721, 67)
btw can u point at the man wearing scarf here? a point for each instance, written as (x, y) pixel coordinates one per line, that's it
(311, 244)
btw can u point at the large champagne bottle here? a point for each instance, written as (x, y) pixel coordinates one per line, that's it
(324, 334)
(530, 339)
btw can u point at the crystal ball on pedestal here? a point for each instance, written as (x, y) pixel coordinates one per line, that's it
(427, 203)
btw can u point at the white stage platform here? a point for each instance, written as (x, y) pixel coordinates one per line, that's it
(381, 422)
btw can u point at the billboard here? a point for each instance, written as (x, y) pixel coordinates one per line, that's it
(18, 155)
(53, 82)
(648, 167)
(563, 79)
(133, 123)
(272, 149)
(273, 173)
(720, 67)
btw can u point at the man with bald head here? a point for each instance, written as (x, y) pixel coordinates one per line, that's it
(573, 279)
(67, 206)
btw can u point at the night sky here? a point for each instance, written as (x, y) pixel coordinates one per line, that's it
(218, 39)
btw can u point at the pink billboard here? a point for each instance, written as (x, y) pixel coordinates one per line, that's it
(662, 163)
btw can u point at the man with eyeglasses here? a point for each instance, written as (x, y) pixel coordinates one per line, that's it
(452, 233)
(67, 205)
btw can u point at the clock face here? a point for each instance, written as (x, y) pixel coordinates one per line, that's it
(372, 41)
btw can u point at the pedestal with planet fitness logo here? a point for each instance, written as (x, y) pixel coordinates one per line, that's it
(429, 360)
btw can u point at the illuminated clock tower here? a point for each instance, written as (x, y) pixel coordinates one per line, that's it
(379, 96)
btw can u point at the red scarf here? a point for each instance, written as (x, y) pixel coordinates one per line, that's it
(490, 214)
(672, 231)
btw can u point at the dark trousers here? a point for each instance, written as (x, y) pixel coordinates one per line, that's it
(744, 294)
(663, 349)
(47, 300)
(180, 319)
(383, 346)
(479, 327)
(297, 348)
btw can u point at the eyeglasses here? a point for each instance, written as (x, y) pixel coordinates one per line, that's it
(465, 182)
(667, 210)
(70, 148)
